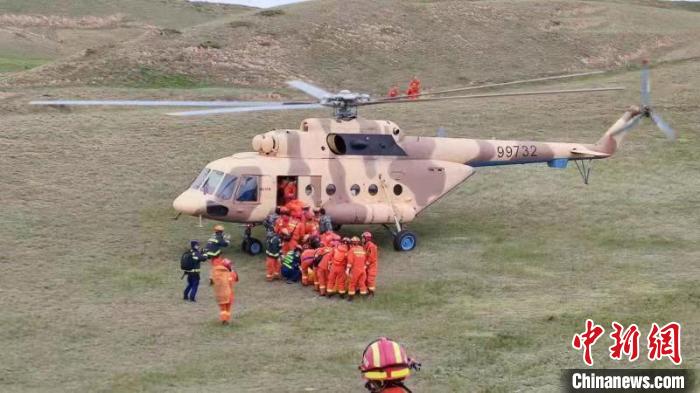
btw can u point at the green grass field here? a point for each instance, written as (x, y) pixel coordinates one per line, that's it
(508, 268)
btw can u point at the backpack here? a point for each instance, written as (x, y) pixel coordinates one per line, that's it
(186, 261)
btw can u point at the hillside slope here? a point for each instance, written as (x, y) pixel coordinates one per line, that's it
(369, 44)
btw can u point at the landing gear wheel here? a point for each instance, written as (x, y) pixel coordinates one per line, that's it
(405, 241)
(251, 246)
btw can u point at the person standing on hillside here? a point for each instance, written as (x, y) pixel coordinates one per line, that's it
(223, 279)
(372, 261)
(355, 270)
(413, 88)
(336, 276)
(216, 242)
(190, 264)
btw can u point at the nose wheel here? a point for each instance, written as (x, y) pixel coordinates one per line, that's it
(250, 245)
(404, 240)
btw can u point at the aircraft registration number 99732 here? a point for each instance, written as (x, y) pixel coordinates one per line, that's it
(516, 151)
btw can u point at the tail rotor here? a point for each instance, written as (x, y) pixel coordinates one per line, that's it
(646, 110)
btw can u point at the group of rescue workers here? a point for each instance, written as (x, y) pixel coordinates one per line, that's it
(302, 246)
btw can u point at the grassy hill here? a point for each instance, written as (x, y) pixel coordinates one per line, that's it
(508, 267)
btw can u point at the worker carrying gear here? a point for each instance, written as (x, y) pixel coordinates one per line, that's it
(223, 278)
(393, 92)
(290, 191)
(322, 264)
(290, 265)
(324, 222)
(336, 276)
(372, 261)
(307, 260)
(190, 263)
(413, 88)
(355, 268)
(216, 242)
(385, 366)
(270, 221)
(273, 248)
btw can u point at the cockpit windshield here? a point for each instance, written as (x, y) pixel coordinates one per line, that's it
(210, 184)
(200, 179)
(225, 191)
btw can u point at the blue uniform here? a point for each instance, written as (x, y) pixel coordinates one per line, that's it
(196, 257)
(290, 267)
(215, 243)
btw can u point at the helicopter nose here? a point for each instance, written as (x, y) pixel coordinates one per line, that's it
(190, 202)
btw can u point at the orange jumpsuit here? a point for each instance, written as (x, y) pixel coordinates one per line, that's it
(224, 280)
(336, 277)
(413, 88)
(310, 228)
(393, 92)
(295, 207)
(290, 192)
(307, 262)
(372, 261)
(322, 269)
(357, 258)
(291, 235)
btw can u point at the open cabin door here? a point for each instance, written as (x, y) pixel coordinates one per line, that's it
(309, 190)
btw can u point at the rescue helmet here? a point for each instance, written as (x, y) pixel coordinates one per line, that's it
(218, 228)
(194, 243)
(346, 240)
(385, 360)
(227, 263)
(367, 235)
(355, 240)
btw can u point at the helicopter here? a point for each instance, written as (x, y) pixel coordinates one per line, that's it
(365, 171)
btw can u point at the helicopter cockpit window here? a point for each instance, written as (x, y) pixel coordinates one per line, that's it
(225, 191)
(248, 190)
(200, 179)
(209, 185)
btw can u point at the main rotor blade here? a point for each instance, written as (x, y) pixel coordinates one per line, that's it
(514, 94)
(670, 133)
(277, 107)
(547, 78)
(308, 88)
(646, 86)
(151, 103)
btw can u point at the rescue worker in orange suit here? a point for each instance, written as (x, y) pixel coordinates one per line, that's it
(355, 270)
(295, 207)
(413, 88)
(290, 191)
(393, 92)
(322, 266)
(372, 261)
(336, 276)
(307, 260)
(328, 237)
(310, 227)
(385, 366)
(282, 221)
(223, 278)
(293, 233)
(272, 262)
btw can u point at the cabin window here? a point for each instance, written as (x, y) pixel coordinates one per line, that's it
(330, 189)
(398, 189)
(225, 191)
(200, 179)
(354, 190)
(212, 182)
(373, 189)
(248, 189)
(309, 189)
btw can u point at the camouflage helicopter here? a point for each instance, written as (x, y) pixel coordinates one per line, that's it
(367, 171)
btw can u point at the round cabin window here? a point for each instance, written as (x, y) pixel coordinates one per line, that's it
(330, 189)
(373, 189)
(398, 189)
(354, 190)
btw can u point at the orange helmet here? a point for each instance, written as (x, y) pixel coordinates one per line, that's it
(385, 360)
(218, 228)
(355, 240)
